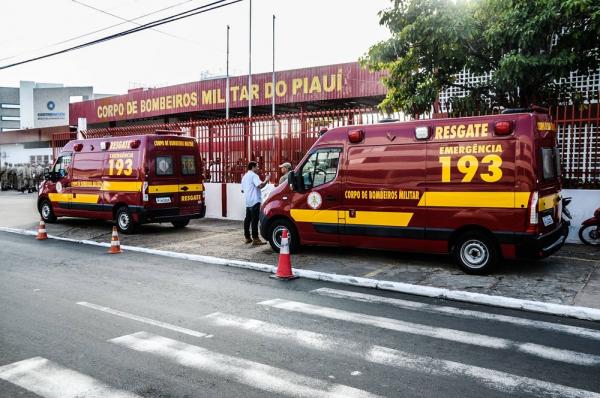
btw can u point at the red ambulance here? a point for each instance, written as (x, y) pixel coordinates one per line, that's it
(132, 180)
(479, 188)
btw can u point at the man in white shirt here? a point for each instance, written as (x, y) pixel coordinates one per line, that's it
(251, 186)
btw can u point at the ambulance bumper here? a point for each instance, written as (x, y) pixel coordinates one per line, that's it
(533, 246)
(168, 214)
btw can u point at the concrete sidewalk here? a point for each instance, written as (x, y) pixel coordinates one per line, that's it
(572, 276)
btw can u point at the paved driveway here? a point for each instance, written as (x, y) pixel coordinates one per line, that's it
(572, 276)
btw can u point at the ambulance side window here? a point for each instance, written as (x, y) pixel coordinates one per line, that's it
(321, 167)
(61, 167)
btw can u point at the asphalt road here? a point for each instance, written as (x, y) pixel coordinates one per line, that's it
(77, 322)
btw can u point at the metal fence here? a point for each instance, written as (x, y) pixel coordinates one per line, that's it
(579, 143)
(227, 145)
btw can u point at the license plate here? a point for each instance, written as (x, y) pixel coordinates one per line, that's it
(547, 220)
(163, 200)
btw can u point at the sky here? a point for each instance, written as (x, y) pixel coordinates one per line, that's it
(308, 33)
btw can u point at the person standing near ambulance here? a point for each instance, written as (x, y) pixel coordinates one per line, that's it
(251, 186)
(285, 170)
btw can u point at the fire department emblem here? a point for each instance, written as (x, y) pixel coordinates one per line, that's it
(58, 187)
(314, 200)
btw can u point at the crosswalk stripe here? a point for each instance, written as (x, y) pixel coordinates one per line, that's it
(143, 319)
(459, 336)
(51, 380)
(470, 314)
(243, 371)
(497, 380)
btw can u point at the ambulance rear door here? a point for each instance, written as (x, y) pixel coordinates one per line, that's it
(163, 184)
(190, 181)
(548, 173)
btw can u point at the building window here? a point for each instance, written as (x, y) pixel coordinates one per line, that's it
(10, 106)
(11, 118)
(31, 159)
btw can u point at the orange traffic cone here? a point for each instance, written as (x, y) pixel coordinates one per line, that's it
(41, 235)
(115, 245)
(284, 265)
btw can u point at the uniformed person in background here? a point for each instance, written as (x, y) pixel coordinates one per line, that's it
(4, 176)
(20, 177)
(39, 175)
(27, 178)
(12, 176)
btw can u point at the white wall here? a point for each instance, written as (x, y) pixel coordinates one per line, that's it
(212, 196)
(585, 201)
(236, 208)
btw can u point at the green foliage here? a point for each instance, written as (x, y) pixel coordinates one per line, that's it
(526, 44)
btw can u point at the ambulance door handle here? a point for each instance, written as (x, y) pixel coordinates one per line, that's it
(330, 198)
(184, 188)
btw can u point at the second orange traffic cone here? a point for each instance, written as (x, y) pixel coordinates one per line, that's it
(284, 265)
(115, 245)
(41, 235)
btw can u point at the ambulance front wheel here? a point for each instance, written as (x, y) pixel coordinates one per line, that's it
(276, 230)
(125, 221)
(476, 253)
(46, 212)
(180, 223)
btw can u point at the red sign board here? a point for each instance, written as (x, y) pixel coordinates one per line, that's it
(322, 83)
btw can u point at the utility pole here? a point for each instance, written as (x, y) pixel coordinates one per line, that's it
(273, 77)
(250, 63)
(227, 80)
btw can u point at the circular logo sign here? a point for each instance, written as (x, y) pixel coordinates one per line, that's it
(51, 105)
(58, 187)
(314, 200)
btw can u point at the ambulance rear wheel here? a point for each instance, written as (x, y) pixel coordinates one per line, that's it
(276, 230)
(180, 223)
(476, 253)
(46, 212)
(125, 221)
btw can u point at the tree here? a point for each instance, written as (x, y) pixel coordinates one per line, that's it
(527, 45)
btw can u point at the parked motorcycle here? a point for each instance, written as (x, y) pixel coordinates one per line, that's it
(589, 233)
(566, 214)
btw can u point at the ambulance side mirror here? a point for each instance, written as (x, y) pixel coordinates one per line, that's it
(296, 182)
(291, 180)
(46, 173)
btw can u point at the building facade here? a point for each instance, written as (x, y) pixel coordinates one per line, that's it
(10, 109)
(38, 105)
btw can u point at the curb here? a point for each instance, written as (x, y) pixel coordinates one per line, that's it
(586, 313)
